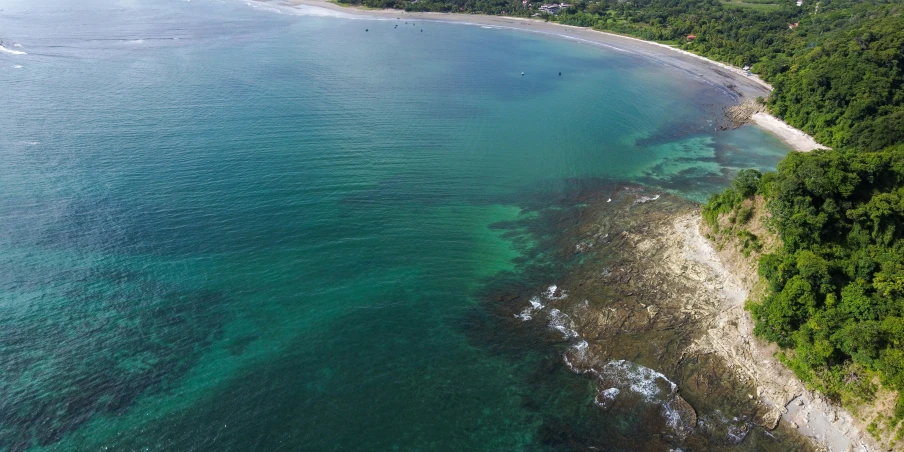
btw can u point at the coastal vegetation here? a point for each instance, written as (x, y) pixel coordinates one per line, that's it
(834, 295)
(834, 299)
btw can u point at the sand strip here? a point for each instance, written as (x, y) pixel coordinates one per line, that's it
(795, 138)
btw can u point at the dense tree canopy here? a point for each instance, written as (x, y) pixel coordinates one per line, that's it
(836, 282)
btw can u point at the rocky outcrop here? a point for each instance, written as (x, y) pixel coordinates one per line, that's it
(655, 314)
(779, 393)
(740, 114)
(632, 312)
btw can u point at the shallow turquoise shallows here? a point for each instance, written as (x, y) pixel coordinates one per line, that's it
(226, 228)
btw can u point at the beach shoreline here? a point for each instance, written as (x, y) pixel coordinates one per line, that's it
(732, 80)
(781, 395)
(795, 138)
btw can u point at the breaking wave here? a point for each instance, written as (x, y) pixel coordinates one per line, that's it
(644, 199)
(11, 51)
(653, 387)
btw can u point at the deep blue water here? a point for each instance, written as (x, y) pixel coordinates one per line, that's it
(224, 228)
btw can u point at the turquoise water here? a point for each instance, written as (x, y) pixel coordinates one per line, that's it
(224, 228)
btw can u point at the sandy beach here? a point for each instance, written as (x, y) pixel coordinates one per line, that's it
(795, 138)
(732, 79)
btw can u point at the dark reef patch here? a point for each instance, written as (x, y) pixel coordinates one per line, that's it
(94, 344)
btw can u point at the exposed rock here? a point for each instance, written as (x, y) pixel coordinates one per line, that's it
(633, 309)
(740, 114)
(655, 294)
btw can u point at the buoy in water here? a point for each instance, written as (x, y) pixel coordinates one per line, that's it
(522, 74)
(560, 74)
(366, 29)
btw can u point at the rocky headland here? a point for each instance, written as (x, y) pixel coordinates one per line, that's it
(654, 314)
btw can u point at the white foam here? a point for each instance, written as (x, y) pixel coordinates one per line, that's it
(606, 398)
(737, 433)
(644, 199)
(11, 51)
(137, 41)
(535, 302)
(672, 416)
(735, 430)
(646, 383)
(576, 353)
(580, 349)
(526, 314)
(611, 392)
(17, 66)
(561, 322)
(308, 10)
(550, 293)
(639, 379)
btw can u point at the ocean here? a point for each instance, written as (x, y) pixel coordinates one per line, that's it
(224, 226)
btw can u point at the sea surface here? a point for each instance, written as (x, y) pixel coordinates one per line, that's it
(225, 226)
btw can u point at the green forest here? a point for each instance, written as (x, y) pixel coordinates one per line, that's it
(835, 298)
